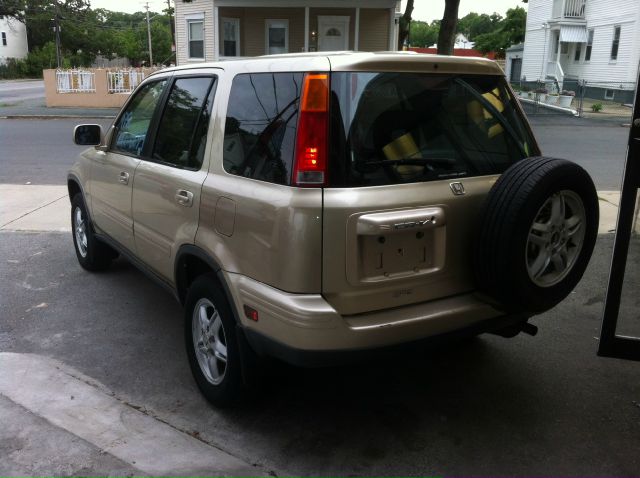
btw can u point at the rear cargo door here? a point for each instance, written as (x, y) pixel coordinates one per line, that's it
(412, 158)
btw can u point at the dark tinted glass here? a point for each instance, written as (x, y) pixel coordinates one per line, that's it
(260, 130)
(183, 128)
(134, 123)
(389, 128)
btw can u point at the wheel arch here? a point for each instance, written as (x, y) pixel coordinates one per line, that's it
(193, 261)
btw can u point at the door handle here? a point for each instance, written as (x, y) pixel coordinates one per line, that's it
(184, 198)
(124, 177)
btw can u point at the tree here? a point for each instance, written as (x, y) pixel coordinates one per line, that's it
(405, 22)
(509, 32)
(423, 34)
(473, 24)
(447, 33)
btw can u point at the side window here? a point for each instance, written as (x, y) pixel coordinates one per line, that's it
(182, 132)
(260, 130)
(132, 127)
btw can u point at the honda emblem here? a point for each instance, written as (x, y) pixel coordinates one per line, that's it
(457, 188)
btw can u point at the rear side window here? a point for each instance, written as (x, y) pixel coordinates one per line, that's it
(260, 129)
(390, 128)
(182, 132)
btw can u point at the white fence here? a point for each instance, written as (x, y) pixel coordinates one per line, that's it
(124, 81)
(75, 81)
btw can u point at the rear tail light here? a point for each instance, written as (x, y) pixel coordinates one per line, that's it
(310, 165)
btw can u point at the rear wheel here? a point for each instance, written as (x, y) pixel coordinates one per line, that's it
(538, 229)
(211, 343)
(92, 254)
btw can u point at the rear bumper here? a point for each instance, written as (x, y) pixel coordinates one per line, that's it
(305, 329)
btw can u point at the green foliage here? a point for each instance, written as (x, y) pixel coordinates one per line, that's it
(509, 31)
(472, 25)
(597, 107)
(86, 33)
(423, 34)
(37, 60)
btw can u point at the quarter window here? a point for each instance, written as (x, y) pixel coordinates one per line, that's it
(616, 43)
(587, 54)
(182, 132)
(196, 38)
(133, 125)
(260, 129)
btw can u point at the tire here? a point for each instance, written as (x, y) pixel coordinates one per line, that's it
(211, 342)
(93, 255)
(538, 228)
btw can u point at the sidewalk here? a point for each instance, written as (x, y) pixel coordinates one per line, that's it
(36, 108)
(46, 208)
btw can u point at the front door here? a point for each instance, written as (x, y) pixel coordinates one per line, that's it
(333, 33)
(167, 184)
(113, 171)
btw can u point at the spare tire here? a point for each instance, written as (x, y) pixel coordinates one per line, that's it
(538, 227)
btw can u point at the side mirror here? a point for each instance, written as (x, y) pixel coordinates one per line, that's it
(87, 134)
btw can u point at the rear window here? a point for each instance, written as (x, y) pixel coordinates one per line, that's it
(390, 128)
(260, 129)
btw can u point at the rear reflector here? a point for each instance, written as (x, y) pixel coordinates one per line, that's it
(310, 165)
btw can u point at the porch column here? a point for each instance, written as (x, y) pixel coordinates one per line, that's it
(356, 32)
(306, 28)
(216, 33)
(392, 29)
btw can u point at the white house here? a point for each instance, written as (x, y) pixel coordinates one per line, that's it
(13, 39)
(597, 41)
(207, 30)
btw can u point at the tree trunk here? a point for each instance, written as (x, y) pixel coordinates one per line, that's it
(447, 35)
(405, 22)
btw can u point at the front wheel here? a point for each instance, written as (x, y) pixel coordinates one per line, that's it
(92, 254)
(211, 343)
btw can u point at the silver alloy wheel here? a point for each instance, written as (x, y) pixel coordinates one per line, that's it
(555, 238)
(80, 230)
(209, 341)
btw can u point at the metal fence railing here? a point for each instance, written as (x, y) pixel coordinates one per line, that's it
(124, 81)
(75, 81)
(577, 96)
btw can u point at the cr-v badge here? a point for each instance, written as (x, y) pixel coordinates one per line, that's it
(457, 188)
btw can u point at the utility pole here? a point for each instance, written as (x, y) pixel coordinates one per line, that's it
(149, 35)
(56, 29)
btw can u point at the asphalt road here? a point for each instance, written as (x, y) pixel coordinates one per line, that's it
(598, 146)
(38, 151)
(17, 91)
(41, 151)
(533, 406)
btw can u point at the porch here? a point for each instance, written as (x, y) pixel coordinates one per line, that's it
(252, 28)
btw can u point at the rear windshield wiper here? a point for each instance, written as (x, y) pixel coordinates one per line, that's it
(496, 114)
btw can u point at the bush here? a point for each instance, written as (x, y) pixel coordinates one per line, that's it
(30, 67)
(596, 107)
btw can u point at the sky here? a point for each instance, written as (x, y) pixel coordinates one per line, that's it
(426, 10)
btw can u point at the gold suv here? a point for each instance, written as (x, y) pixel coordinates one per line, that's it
(314, 206)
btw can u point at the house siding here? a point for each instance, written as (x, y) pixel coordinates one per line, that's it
(374, 29)
(255, 27)
(602, 17)
(539, 12)
(16, 34)
(196, 7)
